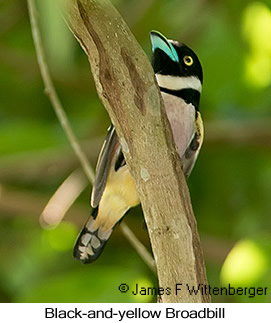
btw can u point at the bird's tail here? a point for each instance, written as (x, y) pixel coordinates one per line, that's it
(91, 240)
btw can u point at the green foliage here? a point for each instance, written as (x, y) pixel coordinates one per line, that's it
(230, 185)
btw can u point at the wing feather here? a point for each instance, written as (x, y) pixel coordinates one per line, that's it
(109, 154)
(190, 156)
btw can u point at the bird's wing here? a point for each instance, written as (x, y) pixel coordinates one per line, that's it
(190, 156)
(110, 154)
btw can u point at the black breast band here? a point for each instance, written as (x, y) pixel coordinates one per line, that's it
(188, 95)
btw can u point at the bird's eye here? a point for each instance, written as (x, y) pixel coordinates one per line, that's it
(188, 60)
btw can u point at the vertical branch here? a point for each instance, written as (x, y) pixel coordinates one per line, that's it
(62, 117)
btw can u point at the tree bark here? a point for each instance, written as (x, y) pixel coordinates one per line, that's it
(126, 85)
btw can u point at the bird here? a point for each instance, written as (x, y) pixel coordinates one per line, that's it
(179, 76)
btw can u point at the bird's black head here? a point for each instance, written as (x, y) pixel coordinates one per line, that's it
(173, 58)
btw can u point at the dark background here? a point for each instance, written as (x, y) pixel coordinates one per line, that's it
(230, 185)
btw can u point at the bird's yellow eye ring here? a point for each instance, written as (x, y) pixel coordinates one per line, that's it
(188, 60)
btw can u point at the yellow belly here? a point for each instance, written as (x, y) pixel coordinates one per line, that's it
(119, 195)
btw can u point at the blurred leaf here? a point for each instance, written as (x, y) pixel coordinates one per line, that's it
(244, 265)
(62, 237)
(256, 30)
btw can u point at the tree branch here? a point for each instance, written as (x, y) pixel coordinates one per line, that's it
(60, 112)
(126, 85)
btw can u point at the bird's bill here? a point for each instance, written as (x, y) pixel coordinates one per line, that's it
(160, 41)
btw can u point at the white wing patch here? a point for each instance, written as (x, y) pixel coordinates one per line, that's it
(90, 225)
(91, 241)
(104, 235)
(86, 238)
(95, 242)
(85, 252)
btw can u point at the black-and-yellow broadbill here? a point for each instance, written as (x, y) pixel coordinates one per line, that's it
(179, 75)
